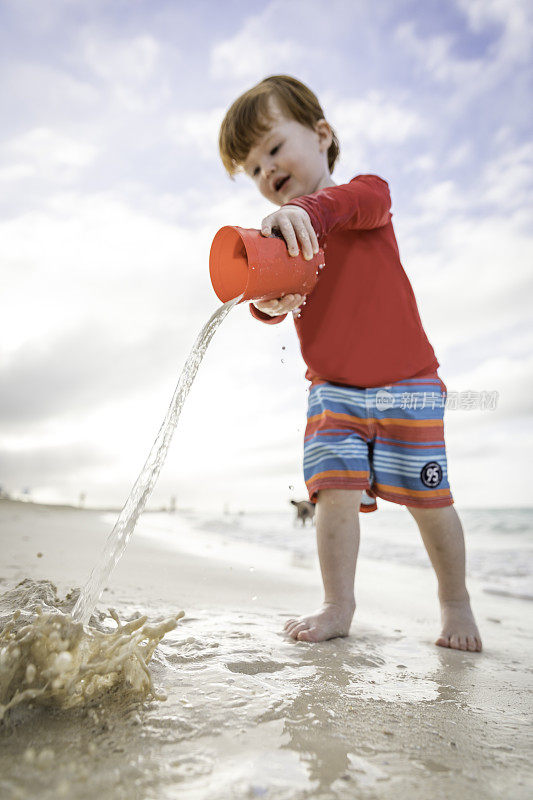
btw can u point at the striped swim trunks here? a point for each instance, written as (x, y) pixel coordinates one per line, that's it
(388, 441)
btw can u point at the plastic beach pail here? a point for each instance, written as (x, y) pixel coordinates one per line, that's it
(243, 260)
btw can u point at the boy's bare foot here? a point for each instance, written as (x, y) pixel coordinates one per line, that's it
(459, 629)
(333, 619)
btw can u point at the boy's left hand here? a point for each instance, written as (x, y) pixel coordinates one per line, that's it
(275, 308)
(295, 225)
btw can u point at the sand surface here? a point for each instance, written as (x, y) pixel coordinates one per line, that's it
(383, 713)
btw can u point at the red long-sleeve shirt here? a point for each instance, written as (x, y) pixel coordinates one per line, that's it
(360, 325)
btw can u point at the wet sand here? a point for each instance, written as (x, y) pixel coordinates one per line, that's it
(383, 713)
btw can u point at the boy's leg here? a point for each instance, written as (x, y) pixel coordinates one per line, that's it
(442, 534)
(337, 532)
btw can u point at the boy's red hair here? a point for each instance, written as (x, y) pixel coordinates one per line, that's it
(249, 118)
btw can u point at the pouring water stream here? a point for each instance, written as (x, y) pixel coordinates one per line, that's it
(120, 535)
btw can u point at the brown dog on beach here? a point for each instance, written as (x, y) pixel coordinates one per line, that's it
(304, 510)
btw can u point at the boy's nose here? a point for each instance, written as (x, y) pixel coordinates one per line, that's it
(268, 170)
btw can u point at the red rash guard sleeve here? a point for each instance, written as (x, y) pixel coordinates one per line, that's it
(362, 204)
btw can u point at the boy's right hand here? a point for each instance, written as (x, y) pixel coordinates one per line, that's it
(274, 308)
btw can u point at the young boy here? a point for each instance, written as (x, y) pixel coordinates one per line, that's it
(376, 403)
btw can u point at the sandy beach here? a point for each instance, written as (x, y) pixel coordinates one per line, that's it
(383, 713)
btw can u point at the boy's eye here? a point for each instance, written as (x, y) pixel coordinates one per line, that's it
(256, 170)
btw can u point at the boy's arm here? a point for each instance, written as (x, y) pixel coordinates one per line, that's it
(362, 204)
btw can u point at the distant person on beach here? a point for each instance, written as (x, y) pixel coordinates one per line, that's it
(376, 402)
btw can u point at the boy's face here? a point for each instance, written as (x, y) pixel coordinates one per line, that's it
(291, 150)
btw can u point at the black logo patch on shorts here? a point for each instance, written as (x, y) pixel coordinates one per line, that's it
(431, 474)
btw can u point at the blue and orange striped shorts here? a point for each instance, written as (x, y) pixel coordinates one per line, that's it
(387, 441)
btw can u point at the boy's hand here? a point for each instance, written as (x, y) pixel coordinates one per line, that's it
(274, 308)
(295, 226)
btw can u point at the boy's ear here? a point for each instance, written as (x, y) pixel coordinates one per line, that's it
(323, 129)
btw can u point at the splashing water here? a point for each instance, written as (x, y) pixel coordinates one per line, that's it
(46, 658)
(118, 538)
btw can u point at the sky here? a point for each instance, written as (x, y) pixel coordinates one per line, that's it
(112, 189)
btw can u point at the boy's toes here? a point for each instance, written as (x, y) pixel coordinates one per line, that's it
(457, 642)
(290, 629)
(298, 628)
(289, 624)
(307, 635)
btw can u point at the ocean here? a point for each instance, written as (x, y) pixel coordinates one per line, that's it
(499, 542)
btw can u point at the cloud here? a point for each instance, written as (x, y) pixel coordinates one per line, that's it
(507, 179)
(46, 154)
(42, 95)
(259, 47)
(424, 163)
(128, 69)
(126, 61)
(370, 122)
(16, 172)
(197, 132)
(475, 280)
(38, 466)
(82, 258)
(435, 54)
(470, 77)
(513, 17)
(77, 371)
(511, 378)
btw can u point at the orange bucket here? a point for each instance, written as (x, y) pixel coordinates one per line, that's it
(242, 260)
